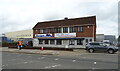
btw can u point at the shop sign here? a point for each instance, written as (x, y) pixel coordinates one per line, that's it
(43, 35)
(65, 35)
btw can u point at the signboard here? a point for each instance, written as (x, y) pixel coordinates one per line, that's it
(43, 35)
(65, 35)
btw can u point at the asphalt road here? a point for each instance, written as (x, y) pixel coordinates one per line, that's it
(36, 61)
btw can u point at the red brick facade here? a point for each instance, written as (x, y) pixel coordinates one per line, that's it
(88, 26)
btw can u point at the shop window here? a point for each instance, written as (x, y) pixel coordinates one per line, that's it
(46, 42)
(40, 41)
(80, 29)
(86, 40)
(90, 40)
(59, 30)
(72, 29)
(80, 42)
(71, 42)
(51, 30)
(65, 29)
(52, 42)
(41, 30)
(59, 42)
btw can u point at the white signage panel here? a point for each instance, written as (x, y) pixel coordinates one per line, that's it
(43, 35)
(65, 35)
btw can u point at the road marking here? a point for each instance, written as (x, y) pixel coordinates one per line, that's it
(95, 63)
(25, 62)
(56, 59)
(5, 65)
(74, 60)
(53, 66)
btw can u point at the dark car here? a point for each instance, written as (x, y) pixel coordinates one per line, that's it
(98, 46)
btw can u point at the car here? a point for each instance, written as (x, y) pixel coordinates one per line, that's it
(99, 46)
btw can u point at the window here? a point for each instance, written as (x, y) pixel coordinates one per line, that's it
(59, 30)
(65, 29)
(40, 41)
(51, 30)
(80, 41)
(72, 29)
(52, 42)
(41, 30)
(46, 31)
(71, 42)
(59, 42)
(94, 44)
(90, 40)
(80, 29)
(86, 40)
(46, 42)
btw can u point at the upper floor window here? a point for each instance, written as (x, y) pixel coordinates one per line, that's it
(51, 30)
(65, 29)
(72, 29)
(80, 29)
(41, 30)
(46, 31)
(59, 30)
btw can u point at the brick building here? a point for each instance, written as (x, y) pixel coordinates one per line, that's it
(69, 33)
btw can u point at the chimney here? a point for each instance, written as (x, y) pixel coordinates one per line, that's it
(66, 18)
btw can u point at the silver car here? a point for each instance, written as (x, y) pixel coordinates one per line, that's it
(98, 46)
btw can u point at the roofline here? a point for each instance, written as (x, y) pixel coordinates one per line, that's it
(67, 19)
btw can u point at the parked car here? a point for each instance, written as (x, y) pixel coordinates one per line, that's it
(99, 46)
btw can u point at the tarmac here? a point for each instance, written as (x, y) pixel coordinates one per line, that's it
(44, 52)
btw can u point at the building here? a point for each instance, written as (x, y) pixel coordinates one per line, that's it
(69, 33)
(23, 34)
(111, 38)
(106, 38)
(100, 37)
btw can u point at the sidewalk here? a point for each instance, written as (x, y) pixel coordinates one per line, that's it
(44, 52)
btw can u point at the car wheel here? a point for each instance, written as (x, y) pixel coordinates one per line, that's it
(91, 50)
(111, 51)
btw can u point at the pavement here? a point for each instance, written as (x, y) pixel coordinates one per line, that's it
(44, 52)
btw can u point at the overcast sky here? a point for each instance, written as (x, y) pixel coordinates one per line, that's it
(24, 14)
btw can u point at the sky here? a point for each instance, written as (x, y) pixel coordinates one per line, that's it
(18, 15)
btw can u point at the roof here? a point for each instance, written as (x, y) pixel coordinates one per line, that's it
(67, 22)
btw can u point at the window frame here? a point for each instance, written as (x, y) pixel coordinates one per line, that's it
(57, 42)
(80, 28)
(59, 30)
(71, 29)
(41, 30)
(72, 43)
(52, 30)
(65, 29)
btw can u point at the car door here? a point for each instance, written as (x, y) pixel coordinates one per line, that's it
(101, 47)
(97, 46)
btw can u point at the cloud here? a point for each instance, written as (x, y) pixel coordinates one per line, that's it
(24, 14)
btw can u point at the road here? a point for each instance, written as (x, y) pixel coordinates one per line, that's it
(36, 61)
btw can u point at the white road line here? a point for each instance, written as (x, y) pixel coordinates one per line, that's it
(74, 60)
(95, 63)
(56, 59)
(53, 66)
(25, 62)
